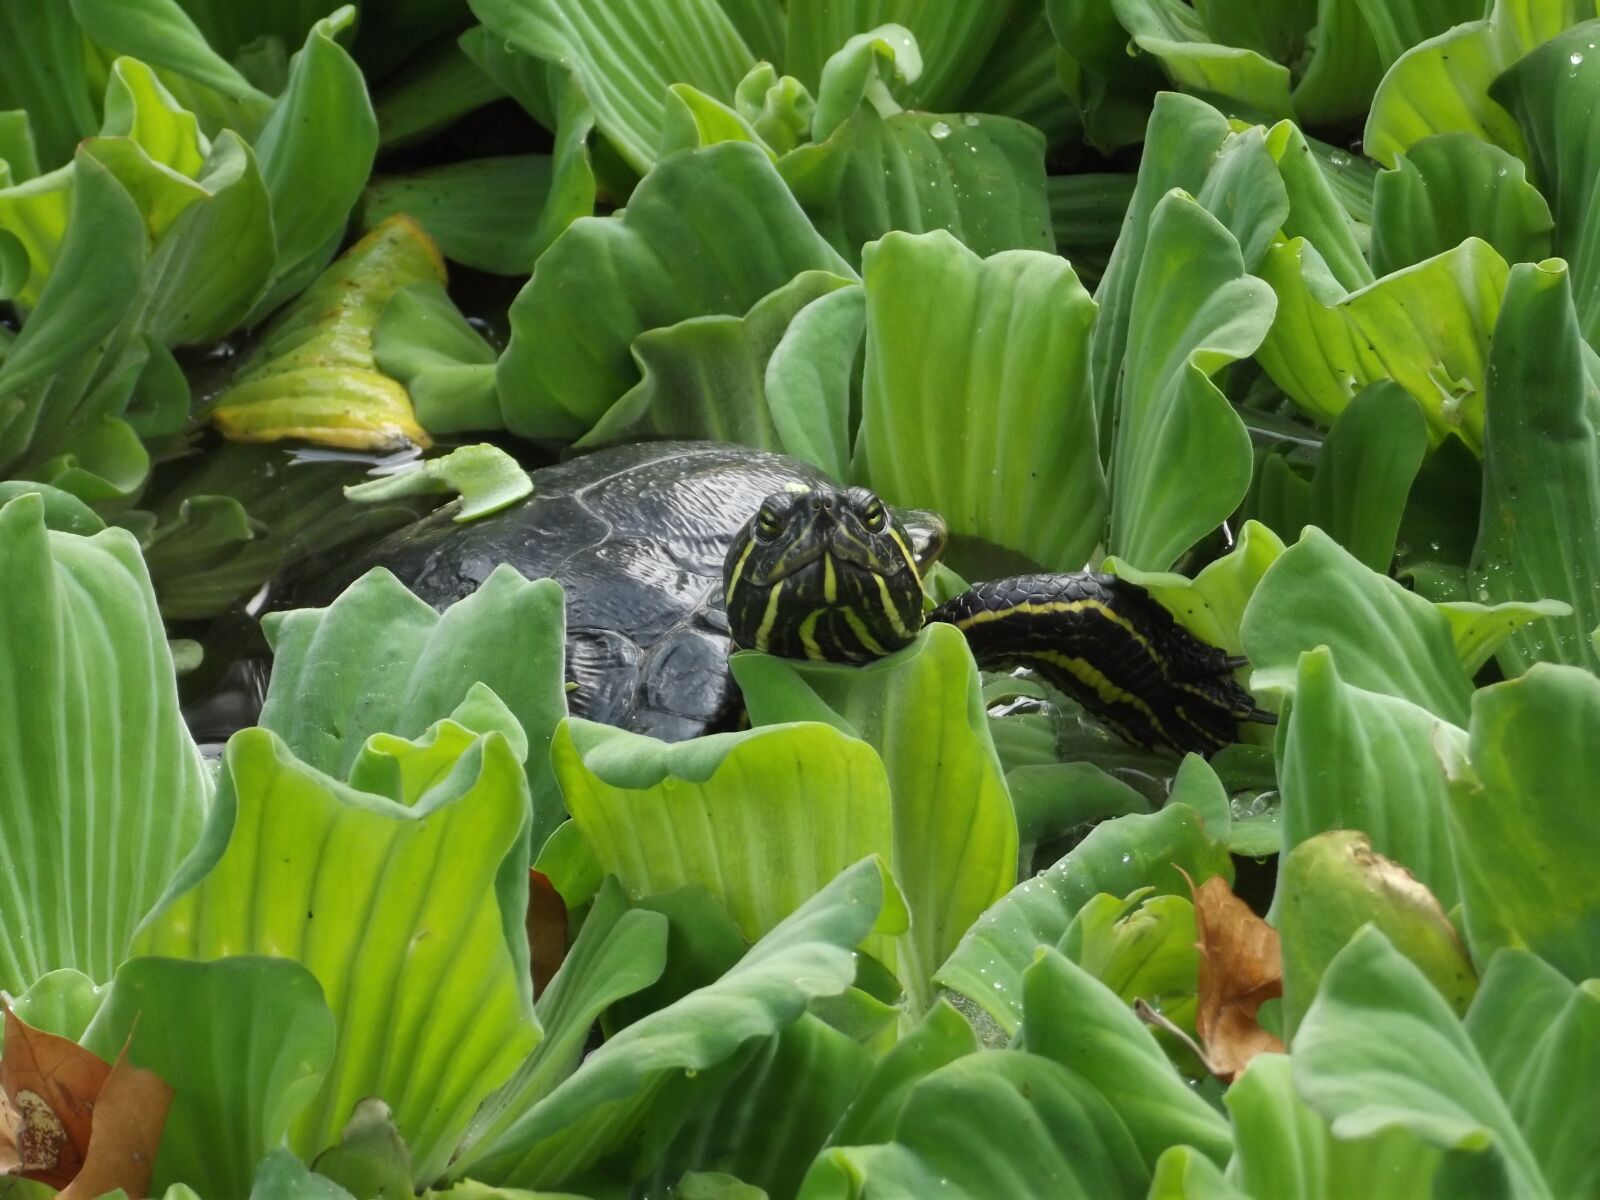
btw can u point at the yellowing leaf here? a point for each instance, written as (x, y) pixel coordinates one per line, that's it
(313, 376)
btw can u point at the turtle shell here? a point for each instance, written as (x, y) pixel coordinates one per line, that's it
(636, 536)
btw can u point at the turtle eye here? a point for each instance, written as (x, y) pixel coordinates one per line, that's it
(873, 517)
(766, 523)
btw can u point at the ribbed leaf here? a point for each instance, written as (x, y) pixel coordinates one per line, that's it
(1181, 457)
(1365, 470)
(954, 833)
(1119, 856)
(1520, 819)
(101, 790)
(243, 1041)
(378, 660)
(1426, 327)
(729, 812)
(1357, 759)
(1173, 34)
(602, 1105)
(1285, 1151)
(1539, 532)
(808, 380)
(316, 152)
(1381, 1050)
(703, 378)
(976, 362)
(483, 212)
(710, 231)
(624, 55)
(952, 35)
(1384, 638)
(1539, 1074)
(1073, 1019)
(995, 1123)
(1552, 91)
(394, 909)
(1442, 85)
(981, 178)
(1450, 187)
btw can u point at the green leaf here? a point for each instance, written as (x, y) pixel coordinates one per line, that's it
(981, 178)
(482, 212)
(378, 660)
(1380, 1050)
(1212, 604)
(711, 231)
(1479, 629)
(703, 377)
(1183, 1173)
(625, 60)
(424, 343)
(1320, 208)
(316, 151)
(1520, 852)
(618, 952)
(1181, 457)
(995, 1123)
(1447, 188)
(1384, 638)
(952, 39)
(1537, 1033)
(954, 847)
(49, 78)
(974, 361)
(282, 1176)
(1443, 85)
(60, 1002)
(725, 812)
(90, 287)
(1365, 471)
(941, 1037)
(352, 885)
(1352, 758)
(1284, 1150)
(793, 1087)
(1119, 856)
(1174, 35)
(808, 379)
(1140, 949)
(244, 1042)
(1426, 327)
(371, 1158)
(104, 792)
(312, 374)
(1182, 143)
(1537, 536)
(485, 477)
(1110, 90)
(1331, 886)
(600, 1107)
(162, 34)
(1075, 1020)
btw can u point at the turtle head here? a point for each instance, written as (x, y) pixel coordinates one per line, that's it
(829, 573)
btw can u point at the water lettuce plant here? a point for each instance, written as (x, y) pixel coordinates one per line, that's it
(1105, 282)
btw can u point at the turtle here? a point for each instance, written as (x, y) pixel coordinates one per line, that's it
(674, 553)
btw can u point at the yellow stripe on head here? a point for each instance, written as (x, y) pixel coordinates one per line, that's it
(770, 617)
(738, 570)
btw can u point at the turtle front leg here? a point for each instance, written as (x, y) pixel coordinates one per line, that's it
(1106, 643)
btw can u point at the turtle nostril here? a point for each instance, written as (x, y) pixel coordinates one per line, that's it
(822, 502)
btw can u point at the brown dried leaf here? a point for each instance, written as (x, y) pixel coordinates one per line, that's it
(50, 1085)
(129, 1116)
(1241, 967)
(547, 930)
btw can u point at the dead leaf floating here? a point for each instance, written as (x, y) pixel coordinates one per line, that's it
(1241, 967)
(73, 1121)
